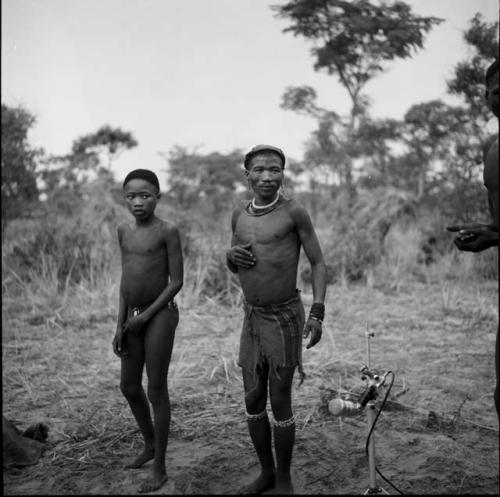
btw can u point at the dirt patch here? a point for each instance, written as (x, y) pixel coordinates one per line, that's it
(440, 438)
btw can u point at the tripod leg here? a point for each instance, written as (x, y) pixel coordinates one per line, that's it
(370, 415)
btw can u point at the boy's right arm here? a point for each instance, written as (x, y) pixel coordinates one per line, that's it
(122, 314)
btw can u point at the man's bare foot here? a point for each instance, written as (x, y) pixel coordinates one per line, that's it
(141, 459)
(261, 484)
(153, 483)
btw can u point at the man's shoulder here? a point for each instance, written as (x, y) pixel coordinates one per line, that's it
(488, 145)
(293, 206)
(240, 207)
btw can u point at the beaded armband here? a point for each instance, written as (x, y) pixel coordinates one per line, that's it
(317, 312)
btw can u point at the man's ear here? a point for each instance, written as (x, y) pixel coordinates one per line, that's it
(158, 195)
(246, 172)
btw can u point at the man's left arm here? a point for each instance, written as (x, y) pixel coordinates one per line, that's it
(312, 249)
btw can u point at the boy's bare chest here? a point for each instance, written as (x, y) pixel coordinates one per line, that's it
(142, 242)
(273, 227)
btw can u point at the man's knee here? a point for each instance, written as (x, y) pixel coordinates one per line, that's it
(157, 394)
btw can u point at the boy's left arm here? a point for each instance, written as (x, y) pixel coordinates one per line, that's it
(176, 280)
(312, 249)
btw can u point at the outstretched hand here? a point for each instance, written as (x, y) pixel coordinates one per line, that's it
(474, 237)
(313, 328)
(240, 255)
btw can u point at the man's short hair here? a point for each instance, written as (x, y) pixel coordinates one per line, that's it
(264, 148)
(144, 174)
(491, 71)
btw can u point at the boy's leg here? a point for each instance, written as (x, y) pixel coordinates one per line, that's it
(159, 341)
(259, 429)
(284, 426)
(132, 366)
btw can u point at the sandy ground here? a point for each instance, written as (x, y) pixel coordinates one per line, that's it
(438, 436)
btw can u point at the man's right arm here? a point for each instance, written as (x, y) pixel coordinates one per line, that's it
(238, 255)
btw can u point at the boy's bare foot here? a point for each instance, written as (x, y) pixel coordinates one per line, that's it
(141, 459)
(153, 483)
(283, 486)
(261, 484)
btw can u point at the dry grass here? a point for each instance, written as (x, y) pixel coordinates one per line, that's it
(59, 368)
(434, 328)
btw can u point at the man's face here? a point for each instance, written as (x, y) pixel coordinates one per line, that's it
(265, 174)
(141, 198)
(492, 93)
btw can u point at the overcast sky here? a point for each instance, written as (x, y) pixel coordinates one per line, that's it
(194, 73)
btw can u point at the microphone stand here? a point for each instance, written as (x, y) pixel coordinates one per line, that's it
(368, 400)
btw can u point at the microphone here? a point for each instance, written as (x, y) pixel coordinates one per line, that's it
(339, 407)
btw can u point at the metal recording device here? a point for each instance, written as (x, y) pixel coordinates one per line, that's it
(346, 408)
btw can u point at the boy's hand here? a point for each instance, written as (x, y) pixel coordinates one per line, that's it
(312, 327)
(134, 324)
(474, 237)
(241, 256)
(117, 343)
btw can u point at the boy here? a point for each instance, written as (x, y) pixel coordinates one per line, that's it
(476, 237)
(267, 234)
(152, 274)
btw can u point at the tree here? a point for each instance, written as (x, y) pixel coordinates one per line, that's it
(468, 80)
(352, 40)
(461, 181)
(107, 141)
(91, 156)
(19, 162)
(195, 178)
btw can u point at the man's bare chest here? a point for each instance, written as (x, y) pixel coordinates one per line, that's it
(491, 167)
(267, 229)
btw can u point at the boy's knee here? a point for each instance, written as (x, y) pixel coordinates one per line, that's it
(130, 390)
(157, 395)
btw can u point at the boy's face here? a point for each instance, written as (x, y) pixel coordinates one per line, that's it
(141, 198)
(492, 93)
(265, 174)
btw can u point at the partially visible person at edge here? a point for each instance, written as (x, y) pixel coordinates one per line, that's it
(152, 274)
(267, 235)
(476, 237)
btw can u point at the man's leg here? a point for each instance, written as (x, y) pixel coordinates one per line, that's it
(132, 366)
(158, 342)
(259, 429)
(284, 426)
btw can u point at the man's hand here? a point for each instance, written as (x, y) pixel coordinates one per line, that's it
(241, 256)
(134, 324)
(312, 327)
(117, 343)
(474, 237)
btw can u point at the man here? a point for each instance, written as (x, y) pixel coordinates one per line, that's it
(476, 237)
(267, 235)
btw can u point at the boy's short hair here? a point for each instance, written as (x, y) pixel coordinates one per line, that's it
(144, 174)
(490, 72)
(264, 148)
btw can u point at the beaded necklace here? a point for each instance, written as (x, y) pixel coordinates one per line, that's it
(270, 204)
